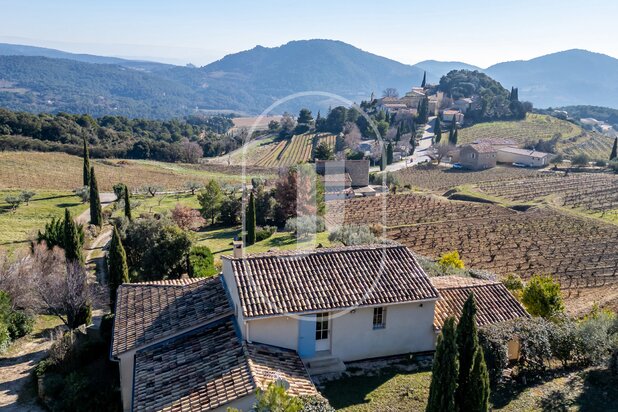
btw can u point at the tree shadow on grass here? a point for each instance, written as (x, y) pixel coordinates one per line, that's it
(353, 390)
(600, 391)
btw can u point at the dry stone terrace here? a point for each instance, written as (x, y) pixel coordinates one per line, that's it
(580, 252)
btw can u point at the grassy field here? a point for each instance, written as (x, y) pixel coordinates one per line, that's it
(17, 227)
(397, 389)
(60, 171)
(219, 241)
(160, 203)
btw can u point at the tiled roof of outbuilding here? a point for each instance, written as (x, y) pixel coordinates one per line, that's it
(328, 278)
(147, 312)
(493, 300)
(209, 368)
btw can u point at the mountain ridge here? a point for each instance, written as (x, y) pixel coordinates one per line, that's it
(251, 80)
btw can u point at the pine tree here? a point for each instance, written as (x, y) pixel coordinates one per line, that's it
(127, 204)
(117, 268)
(424, 82)
(437, 130)
(614, 153)
(445, 371)
(96, 215)
(477, 399)
(72, 241)
(86, 171)
(250, 221)
(467, 345)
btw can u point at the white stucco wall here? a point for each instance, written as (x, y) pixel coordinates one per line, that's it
(278, 331)
(409, 328)
(230, 282)
(508, 157)
(125, 368)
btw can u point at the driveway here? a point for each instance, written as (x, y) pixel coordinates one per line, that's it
(421, 153)
(106, 199)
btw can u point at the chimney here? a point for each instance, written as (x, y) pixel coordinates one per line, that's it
(238, 252)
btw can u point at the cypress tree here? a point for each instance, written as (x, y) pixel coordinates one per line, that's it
(467, 345)
(614, 154)
(445, 371)
(127, 204)
(398, 135)
(117, 268)
(424, 82)
(86, 171)
(451, 133)
(96, 215)
(477, 399)
(455, 137)
(72, 242)
(437, 130)
(389, 154)
(250, 221)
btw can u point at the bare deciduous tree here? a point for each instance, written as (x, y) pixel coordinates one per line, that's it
(352, 135)
(390, 92)
(443, 150)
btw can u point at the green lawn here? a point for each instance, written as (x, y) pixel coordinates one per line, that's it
(219, 241)
(162, 203)
(393, 388)
(17, 227)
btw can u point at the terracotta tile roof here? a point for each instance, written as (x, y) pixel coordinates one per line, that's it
(210, 367)
(193, 372)
(328, 278)
(146, 312)
(494, 302)
(482, 148)
(269, 363)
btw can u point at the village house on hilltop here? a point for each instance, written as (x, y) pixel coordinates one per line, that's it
(207, 344)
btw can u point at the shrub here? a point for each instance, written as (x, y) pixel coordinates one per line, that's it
(514, 284)
(563, 340)
(493, 339)
(315, 404)
(535, 350)
(581, 159)
(201, 262)
(542, 297)
(264, 233)
(5, 337)
(19, 324)
(305, 226)
(106, 327)
(594, 337)
(351, 235)
(451, 260)
(600, 163)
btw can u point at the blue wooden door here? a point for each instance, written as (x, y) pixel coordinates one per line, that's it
(306, 336)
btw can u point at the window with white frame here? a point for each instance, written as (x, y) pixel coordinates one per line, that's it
(379, 318)
(321, 326)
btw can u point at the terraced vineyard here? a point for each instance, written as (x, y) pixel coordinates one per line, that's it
(580, 252)
(590, 191)
(296, 150)
(574, 140)
(535, 126)
(441, 179)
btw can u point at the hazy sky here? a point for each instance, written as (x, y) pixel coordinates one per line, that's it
(479, 32)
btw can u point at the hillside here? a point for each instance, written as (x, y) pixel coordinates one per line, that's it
(59, 171)
(571, 139)
(45, 80)
(572, 77)
(436, 69)
(22, 50)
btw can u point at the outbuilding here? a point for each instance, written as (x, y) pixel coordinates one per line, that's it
(530, 158)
